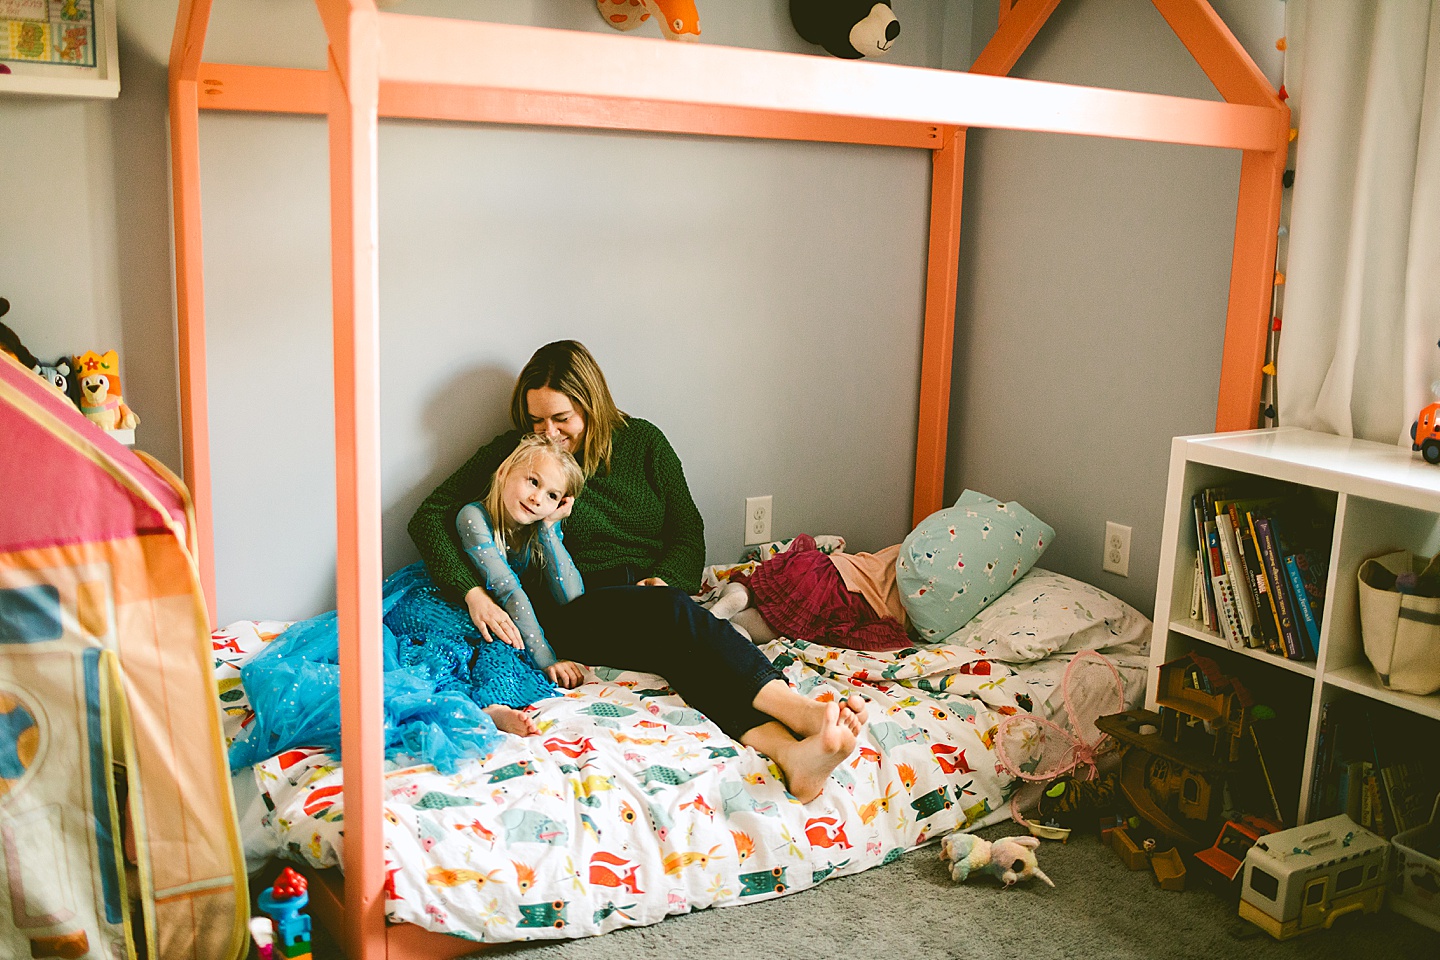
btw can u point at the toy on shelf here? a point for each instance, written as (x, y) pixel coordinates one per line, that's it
(10, 341)
(1306, 878)
(1009, 859)
(100, 398)
(849, 29)
(1425, 431)
(678, 19)
(283, 903)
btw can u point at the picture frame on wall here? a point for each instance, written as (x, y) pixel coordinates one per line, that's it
(59, 47)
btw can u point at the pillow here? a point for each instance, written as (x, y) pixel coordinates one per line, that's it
(959, 560)
(1049, 613)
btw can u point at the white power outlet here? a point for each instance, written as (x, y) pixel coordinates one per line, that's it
(1117, 549)
(757, 520)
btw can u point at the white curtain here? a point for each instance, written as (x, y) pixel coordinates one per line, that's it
(1360, 343)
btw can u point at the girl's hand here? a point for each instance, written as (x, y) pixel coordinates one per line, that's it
(566, 673)
(652, 582)
(491, 619)
(561, 512)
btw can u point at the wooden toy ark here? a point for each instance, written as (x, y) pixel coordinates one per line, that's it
(1306, 878)
(1177, 761)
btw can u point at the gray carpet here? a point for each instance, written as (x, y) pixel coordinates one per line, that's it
(911, 909)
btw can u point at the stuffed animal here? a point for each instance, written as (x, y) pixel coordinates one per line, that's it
(10, 341)
(58, 376)
(849, 29)
(1009, 859)
(678, 19)
(100, 398)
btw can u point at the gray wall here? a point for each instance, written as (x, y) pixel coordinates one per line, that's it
(760, 301)
(1094, 283)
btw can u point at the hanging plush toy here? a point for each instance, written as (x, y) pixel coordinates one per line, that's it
(100, 398)
(1009, 859)
(678, 19)
(849, 29)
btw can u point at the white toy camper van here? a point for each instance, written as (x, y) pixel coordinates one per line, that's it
(1305, 878)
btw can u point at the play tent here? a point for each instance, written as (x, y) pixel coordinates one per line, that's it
(107, 702)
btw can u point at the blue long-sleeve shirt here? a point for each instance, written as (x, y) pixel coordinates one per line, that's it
(499, 574)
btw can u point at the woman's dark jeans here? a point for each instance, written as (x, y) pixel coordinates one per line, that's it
(661, 630)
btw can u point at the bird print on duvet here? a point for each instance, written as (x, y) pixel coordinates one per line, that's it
(630, 806)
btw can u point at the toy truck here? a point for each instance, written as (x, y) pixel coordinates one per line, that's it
(1305, 878)
(1425, 433)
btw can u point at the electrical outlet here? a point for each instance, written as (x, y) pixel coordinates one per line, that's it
(1117, 549)
(757, 520)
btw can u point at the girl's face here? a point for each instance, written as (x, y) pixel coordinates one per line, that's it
(553, 415)
(533, 490)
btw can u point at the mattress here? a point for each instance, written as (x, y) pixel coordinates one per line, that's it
(631, 806)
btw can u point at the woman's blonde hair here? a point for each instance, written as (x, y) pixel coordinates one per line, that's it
(531, 448)
(568, 367)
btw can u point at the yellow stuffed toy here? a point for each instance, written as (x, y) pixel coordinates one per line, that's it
(100, 398)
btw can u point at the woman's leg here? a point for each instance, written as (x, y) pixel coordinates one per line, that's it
(806, 763)
(805, 716)
(661, 630)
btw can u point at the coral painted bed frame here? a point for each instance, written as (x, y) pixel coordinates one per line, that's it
(389, 65)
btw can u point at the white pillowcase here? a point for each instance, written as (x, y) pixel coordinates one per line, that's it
(1045, 613)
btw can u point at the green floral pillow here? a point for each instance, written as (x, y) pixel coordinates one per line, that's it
(959, 560)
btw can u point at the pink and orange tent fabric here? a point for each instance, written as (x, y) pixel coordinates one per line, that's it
(107, 702)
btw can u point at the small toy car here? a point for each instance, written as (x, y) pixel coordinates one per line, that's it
(1425, 433)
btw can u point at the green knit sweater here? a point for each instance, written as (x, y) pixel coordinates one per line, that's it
(638, 512)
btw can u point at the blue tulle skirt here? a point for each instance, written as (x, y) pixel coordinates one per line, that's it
(438, 675)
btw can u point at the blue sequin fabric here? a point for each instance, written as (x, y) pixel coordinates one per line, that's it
(438, 675)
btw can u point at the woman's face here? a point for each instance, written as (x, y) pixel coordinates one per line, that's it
(553, 415)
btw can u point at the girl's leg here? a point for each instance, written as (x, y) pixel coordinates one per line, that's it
(511, 720)
(806, 763)
(750, 623)
(805, 716)
(733, 598)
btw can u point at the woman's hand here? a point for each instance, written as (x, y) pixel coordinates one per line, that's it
(561, 512)
(566, 673)
(491, 619)
(652, 582)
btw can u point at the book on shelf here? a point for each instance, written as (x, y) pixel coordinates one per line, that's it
(1234, 572)
(1308, 620)
(1270, 556)
(1274, 644)
(1263, 633)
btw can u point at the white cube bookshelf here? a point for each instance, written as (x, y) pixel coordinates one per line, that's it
(1384, 499)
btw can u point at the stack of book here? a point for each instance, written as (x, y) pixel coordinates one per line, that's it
(1261, 568)
(1374, 779)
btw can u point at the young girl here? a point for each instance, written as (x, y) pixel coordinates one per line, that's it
(517, 523)
(840, 599)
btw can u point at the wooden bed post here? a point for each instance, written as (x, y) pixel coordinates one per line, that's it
(353, 29)
(186, 48)
(937, 354)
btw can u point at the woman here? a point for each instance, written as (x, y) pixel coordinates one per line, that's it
(639, 542)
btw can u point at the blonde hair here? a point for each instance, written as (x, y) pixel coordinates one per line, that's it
(531, 448)
(568, 367)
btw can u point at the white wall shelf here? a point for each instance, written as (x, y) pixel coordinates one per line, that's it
(1385, 499)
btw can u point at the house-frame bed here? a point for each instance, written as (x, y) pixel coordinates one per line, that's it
(389, 65)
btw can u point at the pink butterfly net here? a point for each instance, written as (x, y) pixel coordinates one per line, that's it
(1037, 751)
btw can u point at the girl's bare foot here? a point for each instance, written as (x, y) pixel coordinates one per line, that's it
(807, 763)
(511, 720)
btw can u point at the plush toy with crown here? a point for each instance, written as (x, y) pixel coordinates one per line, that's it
(1009, 859)
(100, 397)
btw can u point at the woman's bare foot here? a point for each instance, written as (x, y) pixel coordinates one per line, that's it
(807, 763)
(512, 721)
(805, 716)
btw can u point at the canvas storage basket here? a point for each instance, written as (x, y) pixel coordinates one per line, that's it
(1402, 630)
